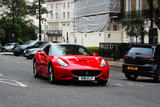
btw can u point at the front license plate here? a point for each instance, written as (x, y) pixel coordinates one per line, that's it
(86, 78)
(132, 68)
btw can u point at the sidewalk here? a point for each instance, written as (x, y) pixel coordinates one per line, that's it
(6, 53)
(115, 63)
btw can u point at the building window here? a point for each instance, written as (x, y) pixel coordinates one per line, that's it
(138, 4)
(56, 6)
(64, 15)
(57, 27)
(56, 15)
(68, 15)
(64, 24)
(51, 15)
(128, 5)
(115, 27)
(64, 5)
(68, 24)
(109, 35)
(51, 6)
(68, 5)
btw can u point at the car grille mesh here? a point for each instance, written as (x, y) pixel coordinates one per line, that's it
(86, 72)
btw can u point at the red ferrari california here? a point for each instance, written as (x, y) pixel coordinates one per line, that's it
(70, 62)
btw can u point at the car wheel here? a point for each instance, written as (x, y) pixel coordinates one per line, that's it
(29, 57)
(35, 74)
(102, 82)
(157, 76)
(131, 76)
(16, 54)
(51, 74)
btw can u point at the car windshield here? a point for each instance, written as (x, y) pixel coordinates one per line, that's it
(68, 50)
(30, 42)
(141, 51)
(40, 44)
(9, 44)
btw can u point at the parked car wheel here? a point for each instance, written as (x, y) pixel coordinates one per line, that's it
(29, 57)
(16, 54)
(157, 76)
(131, 76)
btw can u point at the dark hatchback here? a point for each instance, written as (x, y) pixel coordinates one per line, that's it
(142, 60)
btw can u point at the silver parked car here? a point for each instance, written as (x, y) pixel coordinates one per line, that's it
(10, 46)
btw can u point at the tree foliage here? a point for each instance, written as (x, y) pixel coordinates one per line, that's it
(24, 31)
(21, 8)
(2, 34)
(14, 18)
(133, 22)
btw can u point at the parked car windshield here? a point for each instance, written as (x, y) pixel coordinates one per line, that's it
(141, 51)
(68, 50)
(41, 44)
(30, 42)
(9, 44)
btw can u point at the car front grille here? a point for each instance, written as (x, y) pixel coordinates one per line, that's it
(86, 72)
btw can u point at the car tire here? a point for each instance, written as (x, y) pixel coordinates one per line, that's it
(35, 74)
(51, 74)
(102, 82)
(131, 76)
(16, 54)
(157, 76)
(29, 57)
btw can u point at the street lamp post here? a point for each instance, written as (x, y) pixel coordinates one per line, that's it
(13, 19)
(151, 24)
(40, 21)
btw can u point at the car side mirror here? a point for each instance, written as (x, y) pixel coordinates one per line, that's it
(42, 53)
(95, 54)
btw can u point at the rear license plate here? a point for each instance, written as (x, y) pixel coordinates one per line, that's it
(132, 68)
(86, 78)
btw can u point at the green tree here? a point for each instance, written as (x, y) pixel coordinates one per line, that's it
(20, 8)
(14, 19)
(25, 30)
(2, 34)
(133, 22)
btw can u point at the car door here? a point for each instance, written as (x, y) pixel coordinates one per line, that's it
(45, 60)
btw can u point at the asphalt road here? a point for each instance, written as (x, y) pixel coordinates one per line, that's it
(18, 88)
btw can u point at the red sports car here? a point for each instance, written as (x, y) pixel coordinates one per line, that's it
(70, 62)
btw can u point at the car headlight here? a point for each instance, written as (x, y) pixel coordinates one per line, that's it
(103, 63)
(62, 63)
(33, 51)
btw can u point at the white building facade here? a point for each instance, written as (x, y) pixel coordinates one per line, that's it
(60, 19)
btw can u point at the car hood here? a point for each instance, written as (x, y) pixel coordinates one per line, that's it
(35, 49)
(8, 46)
(82, 60)
(23, 46)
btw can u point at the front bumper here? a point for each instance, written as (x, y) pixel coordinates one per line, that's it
(148, 70)
(65, 73)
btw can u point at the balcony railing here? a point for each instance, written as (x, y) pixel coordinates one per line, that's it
(54, 32)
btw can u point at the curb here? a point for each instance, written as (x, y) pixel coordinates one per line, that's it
(114, 63)
(6, 53)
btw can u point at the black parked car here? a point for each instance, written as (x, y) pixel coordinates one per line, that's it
(31, 51)
(20, 49)
(142, 60)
